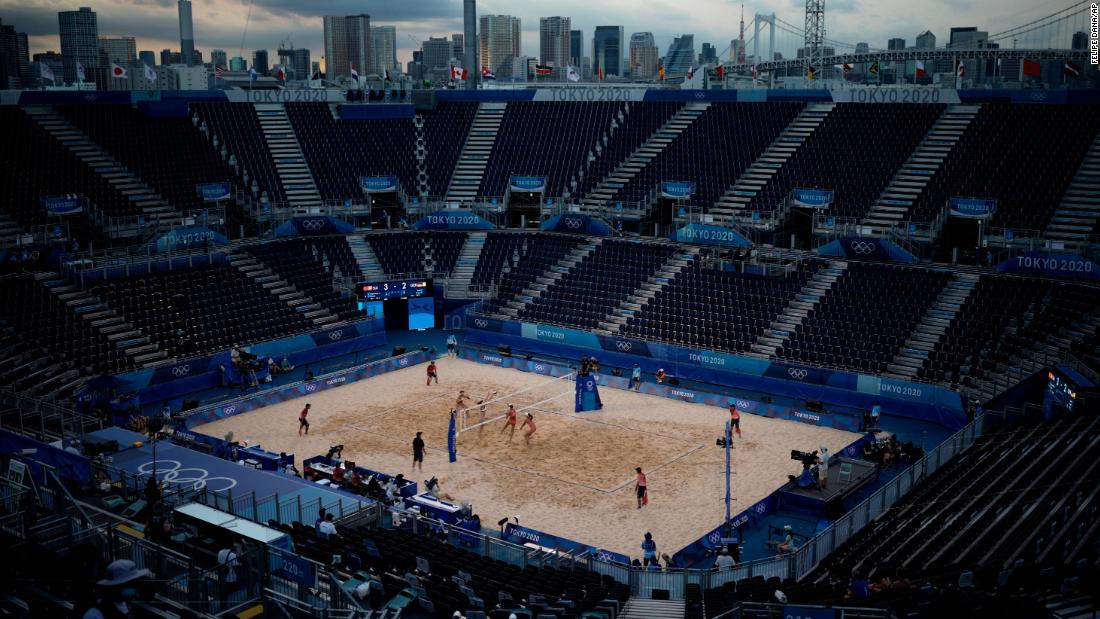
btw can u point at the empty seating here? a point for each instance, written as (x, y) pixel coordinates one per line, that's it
(445, 131)
(417, 252)
(535, 257)
(312, 265)
(631, 127)
(238, 128)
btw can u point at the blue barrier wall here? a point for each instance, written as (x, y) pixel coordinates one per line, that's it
(198, 373)
(841, 389)
(69, 465)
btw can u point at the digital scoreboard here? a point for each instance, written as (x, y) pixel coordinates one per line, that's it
(403, 303)
(1067, 390)
(397, 289)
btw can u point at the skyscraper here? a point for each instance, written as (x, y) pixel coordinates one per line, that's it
(79, 44)
(347, 43)
(499, 42)
(708, 55)
(895, 44)
(735, 50)
(435, 56)
(554, 42)
(643, 56)
(236, 63)
(51, 60)
(260, 61)
(458, 44)
(217, 58)
(863, 48)
(147, 57)
(576, 47)
(13, 57)
(926, 40)
(967, 38)
(187, 34)
(607, 50)
(383, 51)
(680, 55)
(296, 62)
(1080, 41)
(121, 50)
(168, 56)
(471, 55)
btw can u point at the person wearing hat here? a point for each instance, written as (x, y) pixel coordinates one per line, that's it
(660, 376)
(724, 560)
(116, 590)
(636, 377)
(787, 545)
(823, 467)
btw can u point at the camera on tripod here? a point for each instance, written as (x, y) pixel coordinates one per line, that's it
(807, 459)
(335, 452)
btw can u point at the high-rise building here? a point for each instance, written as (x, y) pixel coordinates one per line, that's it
(435, 57)
(148, 57)
(1080, 41)
(926, 40)
(643, 56)
(863, 48)
(500, 42)
(182, 77)
(607, 51)
(14, 60)
(680, 55)
(187, 34)
(79, 44)
(218, 58)
(347, 44)
(120, 50)
(895, 44)
(236, 63)
(708, 55)
(383, 51)
(554, 43)
(967, 38)
(736, 46)
(260, 61)
(576, 47)
(471, 53)
(51, 60)
(458, 44)
(296, 62)
(168, 56)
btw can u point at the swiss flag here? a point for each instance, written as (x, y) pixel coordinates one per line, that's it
(1031, 68)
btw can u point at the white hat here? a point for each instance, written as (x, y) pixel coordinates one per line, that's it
(786, 527)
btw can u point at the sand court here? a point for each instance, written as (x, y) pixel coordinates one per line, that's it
(575, 478)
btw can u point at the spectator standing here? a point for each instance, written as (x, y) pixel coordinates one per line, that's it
(452, 344)
(116, 591)
(636, 377)
(649, 550)
(228, 561)
(418, 451)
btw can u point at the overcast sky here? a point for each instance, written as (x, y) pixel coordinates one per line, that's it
(221, 23)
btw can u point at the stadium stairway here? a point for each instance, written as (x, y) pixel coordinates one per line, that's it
(892, 207)
(549, 277)
(738, 197)
(1078, 214)
(641, 608)
(470, 170)
(459, 284)
(286, 152)
(364, 256)
(797, 309)
(266, 278)
(128, 338)
(931, 328)
(154, 208)
(638, 299)
(605, 191)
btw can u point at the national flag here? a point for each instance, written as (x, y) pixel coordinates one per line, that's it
(810, 72)
(961, 69)
(464, 74)
(317, 75)
(486, 74)
(542, 70)
(456, 72)
(873, 69)
(754, 72)
(252, 75)
(601, 73)
(218, 71)
(720, 71)
(46, 72)
(79, 72)
(572, 75)
(280, 74)
(354, 74)
(920, 69)
(1032, 68)
(847, 68)
(386, 77)
(691, 72)
(151, 75)
(660, 73)
(118, 72)
(1071, 70)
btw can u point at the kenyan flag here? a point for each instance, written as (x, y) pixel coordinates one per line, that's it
(542, 70)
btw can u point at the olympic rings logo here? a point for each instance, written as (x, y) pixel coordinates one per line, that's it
(335, 335)
(310, 388)
(181, 370)
(481, 323)
(1038, 96)
(699, 94)
(862, 247)
(571, 222)
(743, 404)
(313, 225)
(538, 367)
(174, 475)
(229, 410)
(624, 346)
(797, 373)
(714, 537)
(761, 508)
(402, 362)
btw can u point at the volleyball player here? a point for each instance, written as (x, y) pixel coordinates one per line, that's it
(510, 422)
(303, 423)
(432, 373)
(529, 421)
(481, 404)
(735, 418)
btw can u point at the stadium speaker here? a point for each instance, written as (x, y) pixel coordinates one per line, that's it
(398, 350)
(504, 350)
(815, 406)
(189, 405)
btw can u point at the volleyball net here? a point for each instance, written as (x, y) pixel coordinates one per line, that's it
(492, 407)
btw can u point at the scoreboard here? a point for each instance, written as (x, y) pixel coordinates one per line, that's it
(397, 289)
(403, 303)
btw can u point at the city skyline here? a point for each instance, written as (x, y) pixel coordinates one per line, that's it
(219, 25)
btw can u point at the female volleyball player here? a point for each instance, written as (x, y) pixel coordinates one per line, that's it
(530, 421)
(481, 409)
(510, 422)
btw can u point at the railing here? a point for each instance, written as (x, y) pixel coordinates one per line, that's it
(46, 419)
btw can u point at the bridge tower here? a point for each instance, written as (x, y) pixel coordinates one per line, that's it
(815, 34)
